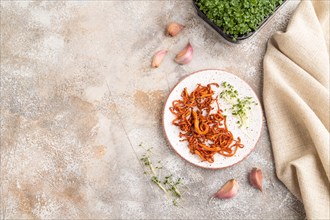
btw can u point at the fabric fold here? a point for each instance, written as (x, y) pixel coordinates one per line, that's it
(297, 105)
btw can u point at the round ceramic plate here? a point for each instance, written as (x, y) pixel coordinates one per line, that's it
(249, 133)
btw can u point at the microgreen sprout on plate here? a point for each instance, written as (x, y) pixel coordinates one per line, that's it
(229, 93)
(240, 107)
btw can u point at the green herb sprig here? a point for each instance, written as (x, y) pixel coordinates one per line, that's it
(167, 184)
(240, 106)
(229, 93)
(237, 17)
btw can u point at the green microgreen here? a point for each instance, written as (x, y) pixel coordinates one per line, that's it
(240, 106)
(166, 183)
(238, 17)
(229, 93)
(158, 183)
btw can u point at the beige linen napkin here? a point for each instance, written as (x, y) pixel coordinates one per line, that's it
(296, 101)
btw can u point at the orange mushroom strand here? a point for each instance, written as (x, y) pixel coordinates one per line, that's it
(205, 131)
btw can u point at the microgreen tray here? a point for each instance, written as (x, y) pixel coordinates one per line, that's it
(229, 37)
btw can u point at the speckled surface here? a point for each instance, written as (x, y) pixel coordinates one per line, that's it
(78, 96)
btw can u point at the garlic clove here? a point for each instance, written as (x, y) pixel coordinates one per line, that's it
(227, 191)
(158, 58)
(256, 178)
(173, 29)
(185, 55)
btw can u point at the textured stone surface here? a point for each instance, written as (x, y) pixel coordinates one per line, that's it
(78, 96)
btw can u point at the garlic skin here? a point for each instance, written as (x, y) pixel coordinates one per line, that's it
(185, 55)
(158, 58)
(228, 191)
(255, 178)
(173, 29)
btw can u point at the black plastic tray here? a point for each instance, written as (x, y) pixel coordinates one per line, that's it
(228, 37)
